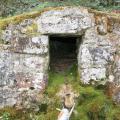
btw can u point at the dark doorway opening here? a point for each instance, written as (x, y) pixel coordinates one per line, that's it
(63, 52)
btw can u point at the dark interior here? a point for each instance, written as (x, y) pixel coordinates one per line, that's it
(63, 52)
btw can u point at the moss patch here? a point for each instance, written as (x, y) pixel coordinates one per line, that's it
(19, 18)
(31, 30)
(1, 41)
(92, 104)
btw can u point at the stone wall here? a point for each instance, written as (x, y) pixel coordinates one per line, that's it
(24, 64)
(95, 57)
(24, 60)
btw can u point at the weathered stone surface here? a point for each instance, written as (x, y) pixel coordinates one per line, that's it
(8, 96)
(30, 45)
(102, 26)
(22, 72)
(7, 77)
(68, 20)
(116, 97)
(15, 31)
(95, 53)
(116, 28)
(117, 70)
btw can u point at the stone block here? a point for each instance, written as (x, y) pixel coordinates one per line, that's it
(30, 45)
(66, 21)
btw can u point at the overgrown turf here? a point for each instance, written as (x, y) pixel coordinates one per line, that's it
(13, 7)
(17, 17)
(92, 104)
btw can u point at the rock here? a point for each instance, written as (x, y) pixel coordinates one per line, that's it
(117, 69)
(95, 53)
(102, 26)
(116, 96)
(67, 95)
(22, 72)
(116, 28)
(101, 30)
(7, 35)
(68, 20)
(31, 45)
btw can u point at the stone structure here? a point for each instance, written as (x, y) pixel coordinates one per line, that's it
(24, 61)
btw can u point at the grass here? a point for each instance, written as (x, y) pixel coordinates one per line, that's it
(38, 5)
(92, 104)
(45, 6)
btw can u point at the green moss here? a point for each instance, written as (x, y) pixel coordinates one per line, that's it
(31, 30)
(46, 7)
(92, 103)
(1, 41)
(15, 114)
(19, 18)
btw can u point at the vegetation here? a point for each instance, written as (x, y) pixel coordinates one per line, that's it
(40, 5)
(92, 104)
(19, 18)
(13, 7)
